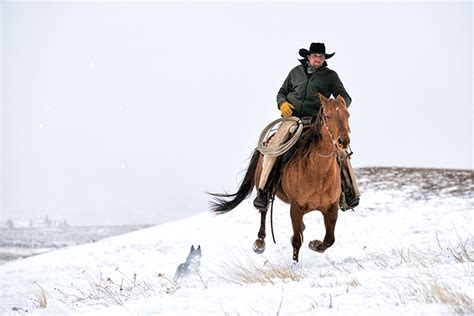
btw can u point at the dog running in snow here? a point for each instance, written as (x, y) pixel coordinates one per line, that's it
(191, 266)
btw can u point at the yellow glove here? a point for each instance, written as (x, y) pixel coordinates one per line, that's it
(286, 109)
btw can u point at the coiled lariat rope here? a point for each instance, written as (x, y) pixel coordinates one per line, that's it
(274, 151)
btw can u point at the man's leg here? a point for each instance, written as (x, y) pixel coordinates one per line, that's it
(350, 190)
(281, 136)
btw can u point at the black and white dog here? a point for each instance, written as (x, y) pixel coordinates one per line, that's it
(191, 266)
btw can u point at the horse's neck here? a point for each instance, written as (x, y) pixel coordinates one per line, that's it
(325, 146)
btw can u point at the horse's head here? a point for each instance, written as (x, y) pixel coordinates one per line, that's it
(336, 117)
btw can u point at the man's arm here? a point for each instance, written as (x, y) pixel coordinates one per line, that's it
(337, 88)
(284, 90)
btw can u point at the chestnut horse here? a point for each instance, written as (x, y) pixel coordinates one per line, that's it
(309, 181)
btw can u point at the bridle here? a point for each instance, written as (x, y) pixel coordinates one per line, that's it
(332, 139)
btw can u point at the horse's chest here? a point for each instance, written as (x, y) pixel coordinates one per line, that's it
(314, 189)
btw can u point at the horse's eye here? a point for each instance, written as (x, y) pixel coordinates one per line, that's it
(328, 117)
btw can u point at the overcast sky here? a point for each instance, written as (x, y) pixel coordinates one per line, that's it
(127, 112)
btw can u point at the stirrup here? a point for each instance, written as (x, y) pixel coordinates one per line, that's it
(261, 201)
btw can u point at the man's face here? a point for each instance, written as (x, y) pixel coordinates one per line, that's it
(316, 60)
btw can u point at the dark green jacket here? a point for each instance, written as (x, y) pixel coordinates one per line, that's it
(302, 89)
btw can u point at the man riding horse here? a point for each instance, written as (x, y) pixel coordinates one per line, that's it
(299, 96)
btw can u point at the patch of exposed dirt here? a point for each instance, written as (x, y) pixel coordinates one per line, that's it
(419, 183)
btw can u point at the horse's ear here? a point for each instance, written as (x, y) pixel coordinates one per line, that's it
(199, 247)
(192, 247)
(340, 98)
(323, 99)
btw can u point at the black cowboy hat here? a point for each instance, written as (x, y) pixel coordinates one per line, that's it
(315, 48)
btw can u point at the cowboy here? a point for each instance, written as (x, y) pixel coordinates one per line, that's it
(299, 96)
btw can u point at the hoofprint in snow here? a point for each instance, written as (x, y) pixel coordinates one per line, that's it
(408, 249)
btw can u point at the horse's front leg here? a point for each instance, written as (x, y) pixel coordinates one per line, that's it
(296, 214)
(330, 219)
(259, 244)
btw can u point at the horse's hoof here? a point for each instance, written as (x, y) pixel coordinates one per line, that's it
(316, 245)
(259, 246)
(296, 266)
(258, 250)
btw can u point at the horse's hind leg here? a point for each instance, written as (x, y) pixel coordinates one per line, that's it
(296, 214)
(259, 245)
(330, 219)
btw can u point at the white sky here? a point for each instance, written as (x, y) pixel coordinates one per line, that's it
(126, 112)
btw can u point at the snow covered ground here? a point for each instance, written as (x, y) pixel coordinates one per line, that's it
(408, 249)
(24, 241)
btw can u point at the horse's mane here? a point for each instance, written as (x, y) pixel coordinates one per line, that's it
(310, 135)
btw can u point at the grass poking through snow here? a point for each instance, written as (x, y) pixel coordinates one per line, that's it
(247, 269)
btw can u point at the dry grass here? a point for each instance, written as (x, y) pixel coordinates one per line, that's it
(433, 290)
(353, 282)
(116, 288)
(460, 251)
(452, 252)
(40, 298)
(34, 299)
(113, 288)
(427, 287)
(269, 273)
(410, 275)
(248, 270)
(443, 293)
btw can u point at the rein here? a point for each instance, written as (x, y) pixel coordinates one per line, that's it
(271, 217)
(333, 142)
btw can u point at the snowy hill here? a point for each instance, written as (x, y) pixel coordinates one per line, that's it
(28, 241)
(408, 249)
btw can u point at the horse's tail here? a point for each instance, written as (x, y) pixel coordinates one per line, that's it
(221, 205)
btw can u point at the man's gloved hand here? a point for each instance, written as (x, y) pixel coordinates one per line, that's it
(286, 109)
